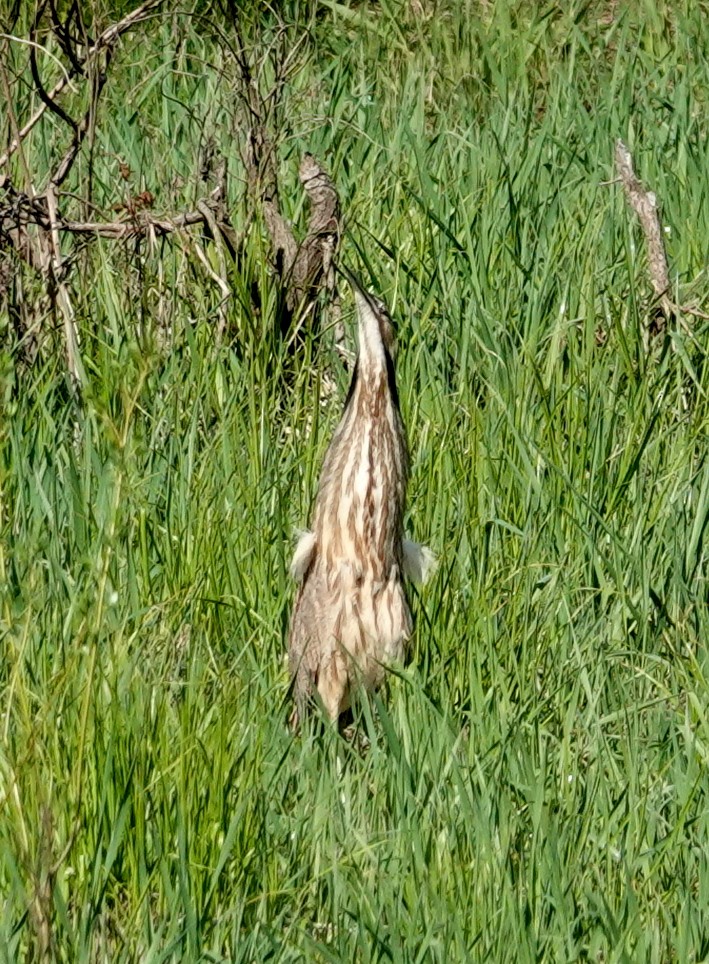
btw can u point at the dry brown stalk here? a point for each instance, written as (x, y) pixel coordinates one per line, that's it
(644, 203)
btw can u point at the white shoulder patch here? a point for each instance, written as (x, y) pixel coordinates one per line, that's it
(419, 562)
(303, 555)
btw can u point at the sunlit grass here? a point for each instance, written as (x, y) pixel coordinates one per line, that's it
(536, 785)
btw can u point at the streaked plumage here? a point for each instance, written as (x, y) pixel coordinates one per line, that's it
(351, 617)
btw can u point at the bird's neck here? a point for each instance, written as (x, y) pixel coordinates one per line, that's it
(372, 353)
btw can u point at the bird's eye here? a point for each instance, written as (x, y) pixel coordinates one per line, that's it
(382, 308)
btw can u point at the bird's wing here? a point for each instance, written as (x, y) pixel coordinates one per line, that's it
(303, 556)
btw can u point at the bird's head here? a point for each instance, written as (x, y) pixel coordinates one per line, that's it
(376, 328)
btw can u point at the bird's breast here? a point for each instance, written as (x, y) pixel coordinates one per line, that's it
(360, 505)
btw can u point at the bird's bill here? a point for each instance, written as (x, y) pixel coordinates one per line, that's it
(359, 289)
(351, 277)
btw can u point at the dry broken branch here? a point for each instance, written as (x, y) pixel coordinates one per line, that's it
(313, 267)
(20, 209)
(140, 226)
(303, 269)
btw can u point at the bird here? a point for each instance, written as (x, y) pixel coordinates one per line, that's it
(351, 618)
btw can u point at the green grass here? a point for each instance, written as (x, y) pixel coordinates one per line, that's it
(537, 784)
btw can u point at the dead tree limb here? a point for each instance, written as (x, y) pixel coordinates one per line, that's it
(313, 268)
(304, 269)
(21, 209)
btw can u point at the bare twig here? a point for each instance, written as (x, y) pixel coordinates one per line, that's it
(80, 130)
(68, 43)
(106, 39)
(48, 101)
(22, 209)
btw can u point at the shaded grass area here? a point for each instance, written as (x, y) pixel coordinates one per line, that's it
(536, 784)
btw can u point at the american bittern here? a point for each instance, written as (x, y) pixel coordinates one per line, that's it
(351, 617)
